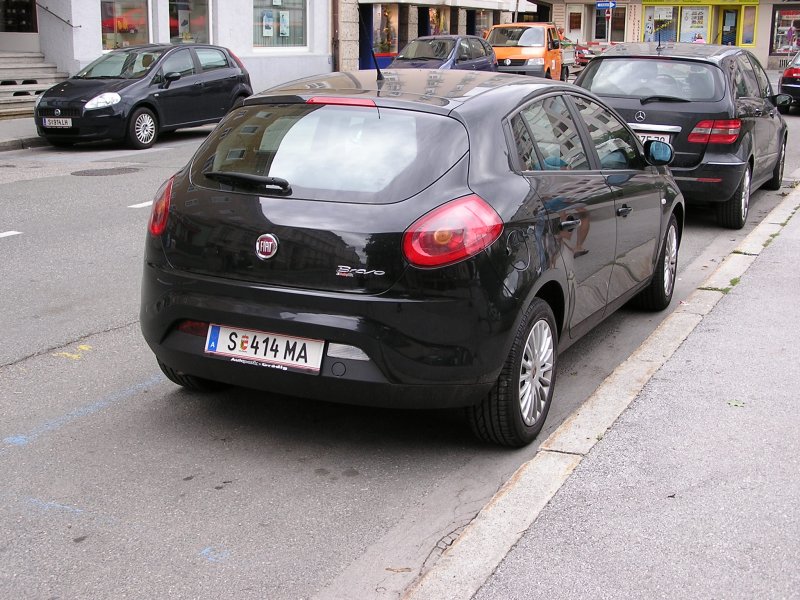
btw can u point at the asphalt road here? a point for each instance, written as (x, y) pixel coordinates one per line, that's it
(119, 484)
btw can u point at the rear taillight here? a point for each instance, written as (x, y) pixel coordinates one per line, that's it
(160, 212)
(792, 72)
(451, 233)
(716, 132)
(238, 62)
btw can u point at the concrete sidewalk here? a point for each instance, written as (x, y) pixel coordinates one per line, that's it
(694, 490)
(16, 134)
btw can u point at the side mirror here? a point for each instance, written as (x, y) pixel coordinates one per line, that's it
(781, 100)
(555, 45)
(658, 153)
(170, 77)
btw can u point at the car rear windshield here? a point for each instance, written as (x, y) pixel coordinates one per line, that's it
(516, 36)
(647, 77)
(438, 49)
(327, 152)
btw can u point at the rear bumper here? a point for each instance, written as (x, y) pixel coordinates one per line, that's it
(709, 182)
(792, 89)
(434, 353)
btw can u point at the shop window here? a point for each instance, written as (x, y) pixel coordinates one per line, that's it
(748, 25)
(661, 24)
(188, 21)
(694, 23)
(785, 30)
(484, 19)
(279, 23)
(439, 21)
(124, 23)
(384, 29)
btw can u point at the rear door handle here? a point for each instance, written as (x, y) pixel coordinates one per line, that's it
(570, 224)
(624, 211)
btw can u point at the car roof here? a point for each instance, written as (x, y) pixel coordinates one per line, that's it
(709, 52)
(430, 90)
(163, 47)
(529, 24)
(444, 36)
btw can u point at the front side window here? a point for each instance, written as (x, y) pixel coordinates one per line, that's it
(124, 23)
(280, 25)
(122, 64)
(554, 134)
(744, 78)
(179, 62)
(764, 86)
(612, 141)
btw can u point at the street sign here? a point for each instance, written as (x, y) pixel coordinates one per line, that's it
(606, 4)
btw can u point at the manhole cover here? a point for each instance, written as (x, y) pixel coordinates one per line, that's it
(103, 172)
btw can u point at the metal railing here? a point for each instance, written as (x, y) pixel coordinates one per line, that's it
(63, 20)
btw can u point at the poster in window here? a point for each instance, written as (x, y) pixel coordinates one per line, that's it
(268, 23)
(276, 2)
(693, 24)
(284, 23)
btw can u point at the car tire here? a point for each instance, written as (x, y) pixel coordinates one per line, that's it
(733, 213)
(142, 129)
(564, 73)
(514, 411)
(190, 382)
(777, 172)
(658, 293)
(547, 75)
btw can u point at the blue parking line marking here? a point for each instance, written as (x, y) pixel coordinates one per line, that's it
(24, 439)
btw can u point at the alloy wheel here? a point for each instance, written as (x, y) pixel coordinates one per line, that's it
(670, 260)
(145, 128)
(536, 372)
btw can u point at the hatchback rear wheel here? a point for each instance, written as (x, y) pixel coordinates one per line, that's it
(515, 410)
(733, 213)
(142, 129)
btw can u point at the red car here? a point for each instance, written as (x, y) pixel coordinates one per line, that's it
(789, 83)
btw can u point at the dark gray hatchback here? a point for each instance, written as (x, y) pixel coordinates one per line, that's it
(714, 104)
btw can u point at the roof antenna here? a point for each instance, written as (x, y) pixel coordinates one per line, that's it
(371, 45)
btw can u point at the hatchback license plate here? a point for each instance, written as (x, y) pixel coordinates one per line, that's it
(57, 122)
(265, 349)
(661, 137)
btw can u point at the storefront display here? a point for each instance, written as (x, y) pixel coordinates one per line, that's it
(279, 23)
(727, 22)
(785, 29)
(188, 21)
(384, 29)
(124, 23)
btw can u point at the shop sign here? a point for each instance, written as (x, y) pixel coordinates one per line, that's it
(700, 2)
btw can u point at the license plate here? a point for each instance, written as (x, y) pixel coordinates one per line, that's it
(57, 122)
(260, 348)
(661, 137)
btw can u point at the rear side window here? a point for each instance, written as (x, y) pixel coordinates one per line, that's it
(335, 153)
(644, 77)
(211, 59)
(478, 49)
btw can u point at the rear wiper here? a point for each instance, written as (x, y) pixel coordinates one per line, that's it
(258, 181)
(649, 99)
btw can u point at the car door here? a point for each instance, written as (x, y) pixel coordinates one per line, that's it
(480, 60)
(579, 203)
(751, 110)
(636, 192)
(773, 123)
(177, 100)
(464, 58)
(219, 79)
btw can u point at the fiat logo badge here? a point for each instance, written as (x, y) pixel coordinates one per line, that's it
(57, 112)
(640, 116)
(266, 246)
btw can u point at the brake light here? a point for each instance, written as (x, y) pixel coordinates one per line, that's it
(341, 101)
(238, 62)
(160, 212)
(719, 131)
(792, 72)
(452, 232)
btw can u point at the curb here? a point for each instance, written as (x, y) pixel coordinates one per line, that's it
(466, 565)
(22, 143)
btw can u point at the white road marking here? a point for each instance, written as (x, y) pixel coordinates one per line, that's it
(142, 205)
(9, 233)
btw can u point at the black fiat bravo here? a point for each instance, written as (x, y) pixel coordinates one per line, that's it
(429, 239)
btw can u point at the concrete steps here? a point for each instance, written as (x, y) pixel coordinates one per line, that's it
(23, 76)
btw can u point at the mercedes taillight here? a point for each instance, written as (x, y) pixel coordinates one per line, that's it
(719, 131)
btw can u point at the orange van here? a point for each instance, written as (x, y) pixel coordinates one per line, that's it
(528, 49)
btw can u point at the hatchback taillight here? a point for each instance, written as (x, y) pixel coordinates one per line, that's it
(719, 131)
(792, 72)
(452, 232)
(160, 212)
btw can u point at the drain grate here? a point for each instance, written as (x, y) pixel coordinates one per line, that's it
(103, 172)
